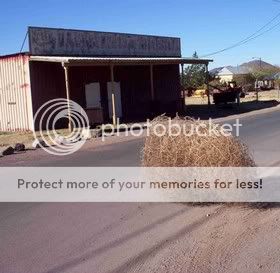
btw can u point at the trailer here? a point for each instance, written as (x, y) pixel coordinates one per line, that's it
(230, 94)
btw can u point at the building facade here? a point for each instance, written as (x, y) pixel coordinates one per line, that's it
(110, 75)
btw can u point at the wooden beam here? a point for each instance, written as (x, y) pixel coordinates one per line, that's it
(131, 63)
(113, 95)
(182, 86)
(207, 85)
(152, 82)
(67, 87)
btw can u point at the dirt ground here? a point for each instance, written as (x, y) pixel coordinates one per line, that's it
(197, 107)
(263, 96)
(138, 237)
(230, 239)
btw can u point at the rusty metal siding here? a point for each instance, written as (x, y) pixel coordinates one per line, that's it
(47, 83)
(15, 94)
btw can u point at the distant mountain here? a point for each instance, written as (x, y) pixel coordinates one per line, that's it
(251, 66)
(256, 65)
(216, 70)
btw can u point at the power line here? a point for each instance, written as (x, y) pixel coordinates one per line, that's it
(271, 28)
(22, 45)
(249, 38)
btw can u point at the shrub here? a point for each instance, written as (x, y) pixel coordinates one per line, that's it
(195, 150)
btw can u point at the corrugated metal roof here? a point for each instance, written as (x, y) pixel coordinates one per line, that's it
(235, 70)
(6, 56)
(117, 60)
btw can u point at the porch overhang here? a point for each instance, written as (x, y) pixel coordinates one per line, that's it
(71, 61)
(92, 61)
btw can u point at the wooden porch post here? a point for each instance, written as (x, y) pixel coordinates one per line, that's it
(113, 95)
(207, 85)
(67, 87)
(152, 81)
(182, 86)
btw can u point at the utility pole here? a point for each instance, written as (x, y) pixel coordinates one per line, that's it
(260, 61)
(256, 84)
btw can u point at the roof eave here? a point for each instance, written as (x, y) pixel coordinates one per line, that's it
(84, 61)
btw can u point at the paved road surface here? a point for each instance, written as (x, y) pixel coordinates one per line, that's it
(261, 133)
(150, 237)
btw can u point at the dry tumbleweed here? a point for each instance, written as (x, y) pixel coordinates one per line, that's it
(191, 148)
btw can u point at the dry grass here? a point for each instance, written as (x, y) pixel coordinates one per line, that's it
(11, 138)
(195, 150)
(263, 96)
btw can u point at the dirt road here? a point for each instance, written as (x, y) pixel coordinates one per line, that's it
(161, 238)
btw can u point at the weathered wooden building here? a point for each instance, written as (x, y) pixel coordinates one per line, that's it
(111, 75)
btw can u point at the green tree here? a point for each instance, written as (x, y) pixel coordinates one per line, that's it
(277, 83)
(194, 75)
(260, 74)
(244, 79)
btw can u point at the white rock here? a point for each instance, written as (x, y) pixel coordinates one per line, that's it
(38, 143)
(60, 140)
(75, 138)
(96, 133)
(86, 133)
(35, 143)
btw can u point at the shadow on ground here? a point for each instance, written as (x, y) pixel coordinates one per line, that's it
(246, 205)
(141, 257)
(264, 205)
(204, 112)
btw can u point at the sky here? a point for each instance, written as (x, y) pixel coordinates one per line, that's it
(203, 25)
